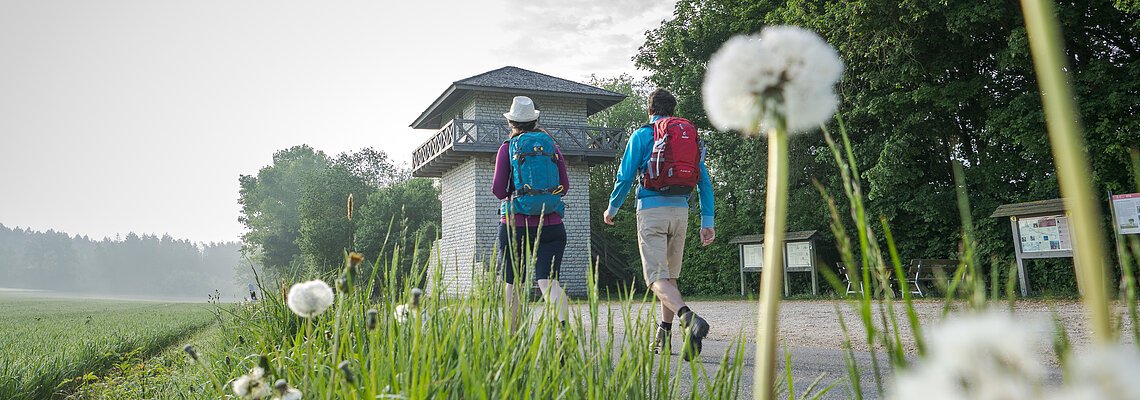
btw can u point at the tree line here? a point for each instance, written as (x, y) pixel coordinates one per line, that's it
(146, 265)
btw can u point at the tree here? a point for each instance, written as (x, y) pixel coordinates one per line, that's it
(371, 166)
(407, 214)
(927, 84)
(326, 231)
(271, 205)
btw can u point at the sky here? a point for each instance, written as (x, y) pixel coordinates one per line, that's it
(139, 116)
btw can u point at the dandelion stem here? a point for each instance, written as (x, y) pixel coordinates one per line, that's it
(308, 352)
(772, 275)
(1073, 175)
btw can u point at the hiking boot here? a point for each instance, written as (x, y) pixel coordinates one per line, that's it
(661, 340)
(694, 329)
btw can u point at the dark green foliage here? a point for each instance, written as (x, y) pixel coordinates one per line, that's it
(629, 115)
(413, 211)
(926, 83)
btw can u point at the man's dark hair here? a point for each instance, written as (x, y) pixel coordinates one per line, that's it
(662, 103)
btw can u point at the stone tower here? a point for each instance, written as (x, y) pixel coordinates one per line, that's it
(468, 117)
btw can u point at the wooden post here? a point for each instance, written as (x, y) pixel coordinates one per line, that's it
(1021, 276)
(740, 251)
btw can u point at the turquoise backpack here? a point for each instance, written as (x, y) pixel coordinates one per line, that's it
(534, 172)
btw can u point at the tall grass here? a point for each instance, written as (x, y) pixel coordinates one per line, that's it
(460, 347)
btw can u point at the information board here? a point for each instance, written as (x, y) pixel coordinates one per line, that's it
(1127, 208)
(799, 256)
(753, 257)
(1048, 233)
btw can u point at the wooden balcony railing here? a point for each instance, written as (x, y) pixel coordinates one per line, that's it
(462, 139)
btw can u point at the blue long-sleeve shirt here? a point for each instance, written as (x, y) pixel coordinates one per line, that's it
(633, 164)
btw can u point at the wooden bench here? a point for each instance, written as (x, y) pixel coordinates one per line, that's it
(928, 270)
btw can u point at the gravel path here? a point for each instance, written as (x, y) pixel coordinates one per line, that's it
(813, 323)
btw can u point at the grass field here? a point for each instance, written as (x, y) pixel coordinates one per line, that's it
(50, 345)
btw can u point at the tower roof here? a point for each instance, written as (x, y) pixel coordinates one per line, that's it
(517, 81)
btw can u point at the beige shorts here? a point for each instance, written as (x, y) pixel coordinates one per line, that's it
(661, 241)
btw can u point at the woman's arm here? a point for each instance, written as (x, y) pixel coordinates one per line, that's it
(502, 180)
(563, 177)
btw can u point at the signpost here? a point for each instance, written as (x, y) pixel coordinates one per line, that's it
(1040, 230)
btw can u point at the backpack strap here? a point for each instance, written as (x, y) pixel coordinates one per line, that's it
(529, 191)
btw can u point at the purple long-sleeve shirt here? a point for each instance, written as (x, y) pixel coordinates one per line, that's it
(501, 187)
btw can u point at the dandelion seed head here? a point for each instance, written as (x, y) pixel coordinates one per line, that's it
(284, 392)
(785, 71)
(986, 355)
(309, 299)
(1104, 372)
(401, 313)
(251, 385)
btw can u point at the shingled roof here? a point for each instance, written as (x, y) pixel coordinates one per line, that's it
(1030, 208)
(788, 237)
(518, 81)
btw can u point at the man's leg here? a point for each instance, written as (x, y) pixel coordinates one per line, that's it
(652, 241)
(669, 296)
(693, 326)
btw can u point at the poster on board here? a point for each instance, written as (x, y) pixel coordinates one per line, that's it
(799, 255)
(1127, 208)
(753, 257)
(1048, 233)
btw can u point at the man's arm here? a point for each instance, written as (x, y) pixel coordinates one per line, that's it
(708, 211)
(628, 170)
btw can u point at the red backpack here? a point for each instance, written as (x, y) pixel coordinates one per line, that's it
(674, 161)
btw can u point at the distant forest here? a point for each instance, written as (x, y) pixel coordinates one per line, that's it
(133, 265)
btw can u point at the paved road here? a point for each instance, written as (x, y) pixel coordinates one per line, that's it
(808, 365)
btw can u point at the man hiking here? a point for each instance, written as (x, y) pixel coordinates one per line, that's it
(667, 159)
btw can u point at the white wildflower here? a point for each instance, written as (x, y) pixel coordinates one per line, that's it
(251, 385)
(981, 356)
(311, 298)
(401, 313)
(1103, 372)
(787, 68)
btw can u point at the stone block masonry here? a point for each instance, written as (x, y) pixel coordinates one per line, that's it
(471, 225)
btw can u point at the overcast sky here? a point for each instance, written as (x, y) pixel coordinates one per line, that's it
(120, 116)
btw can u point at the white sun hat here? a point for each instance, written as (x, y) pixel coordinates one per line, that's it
(522, 110)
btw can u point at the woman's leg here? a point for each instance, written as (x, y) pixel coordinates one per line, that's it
(508, 256)
(552, 245)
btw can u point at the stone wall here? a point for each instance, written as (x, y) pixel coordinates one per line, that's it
(471, 212)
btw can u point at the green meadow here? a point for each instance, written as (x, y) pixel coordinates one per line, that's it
(50, 346)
